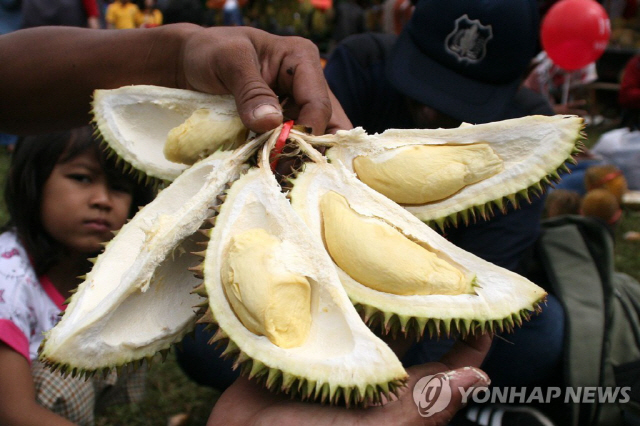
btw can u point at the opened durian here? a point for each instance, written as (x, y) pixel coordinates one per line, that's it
(280, 278)
(443, 175)
(281, 331)
(137, 298)
(448, 289)
(160, 131)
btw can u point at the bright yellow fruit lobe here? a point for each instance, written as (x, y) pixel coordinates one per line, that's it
(203, 133)
(418, 174)
(267, 298)
(378, 256)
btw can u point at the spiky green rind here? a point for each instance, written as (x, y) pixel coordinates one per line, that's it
(487, 210)
(277, 380)
(389, 323)
(139, 175)
(68, 370)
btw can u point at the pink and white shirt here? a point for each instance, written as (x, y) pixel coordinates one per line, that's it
(28, 306)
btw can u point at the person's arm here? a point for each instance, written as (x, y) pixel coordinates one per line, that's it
(91, 9)
(245, 403)
(49, 73)
(18, 405)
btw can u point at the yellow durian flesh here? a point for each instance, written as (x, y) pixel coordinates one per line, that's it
(379, 256)
(269, 299)
(418, 174)
(203, 133)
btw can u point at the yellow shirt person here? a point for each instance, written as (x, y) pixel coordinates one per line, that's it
(149, 19)
(121, 14)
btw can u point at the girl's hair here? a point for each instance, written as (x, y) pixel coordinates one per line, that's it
(32, 162)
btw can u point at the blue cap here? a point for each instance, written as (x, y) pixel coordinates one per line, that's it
(465, 58)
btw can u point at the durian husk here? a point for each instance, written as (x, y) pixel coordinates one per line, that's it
(534, 149)
(341, 361)
(501, 298)
(137, 299)
(134, 122)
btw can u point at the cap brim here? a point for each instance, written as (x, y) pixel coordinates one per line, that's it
(434, 85)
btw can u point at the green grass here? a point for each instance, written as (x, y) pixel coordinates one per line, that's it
(170, 392)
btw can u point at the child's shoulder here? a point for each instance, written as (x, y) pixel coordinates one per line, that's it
(14, 261)
(10, 245)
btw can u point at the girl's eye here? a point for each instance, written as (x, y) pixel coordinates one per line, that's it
(82, 178)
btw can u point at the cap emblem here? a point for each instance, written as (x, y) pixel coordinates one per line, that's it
(468, 40)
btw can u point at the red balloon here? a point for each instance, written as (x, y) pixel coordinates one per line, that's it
(575, 33)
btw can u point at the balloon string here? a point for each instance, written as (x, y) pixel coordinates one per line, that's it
(565, 88)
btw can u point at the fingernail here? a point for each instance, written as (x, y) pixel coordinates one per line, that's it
(264, 110)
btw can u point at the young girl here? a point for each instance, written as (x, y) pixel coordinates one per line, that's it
(64, 199)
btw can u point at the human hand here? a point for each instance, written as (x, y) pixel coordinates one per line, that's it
(246, 403)
(93, 22)
(257, 67)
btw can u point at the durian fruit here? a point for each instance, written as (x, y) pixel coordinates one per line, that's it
(276, 298)
(398, 271)
(203, 133)
(137, 298)
(136, 122)
(318, 255)
(446, 175)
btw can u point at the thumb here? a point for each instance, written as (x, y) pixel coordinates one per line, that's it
(458, 386)
(464, 382)
(257, 104)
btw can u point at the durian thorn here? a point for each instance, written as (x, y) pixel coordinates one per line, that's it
(440, 222)
(219, 335)
(273, 378)
(206, 318)
(204, 304)
(205, 232)
(287, 380)
(199, 268)
(231, 349)
(200, 290)
(240, 359)
(347, 396)
(324, 393)
(201, 254)
(257, 369)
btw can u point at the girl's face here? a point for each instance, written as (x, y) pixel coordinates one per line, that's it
(80, 207)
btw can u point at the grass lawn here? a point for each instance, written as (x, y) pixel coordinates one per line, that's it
(170, 392)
